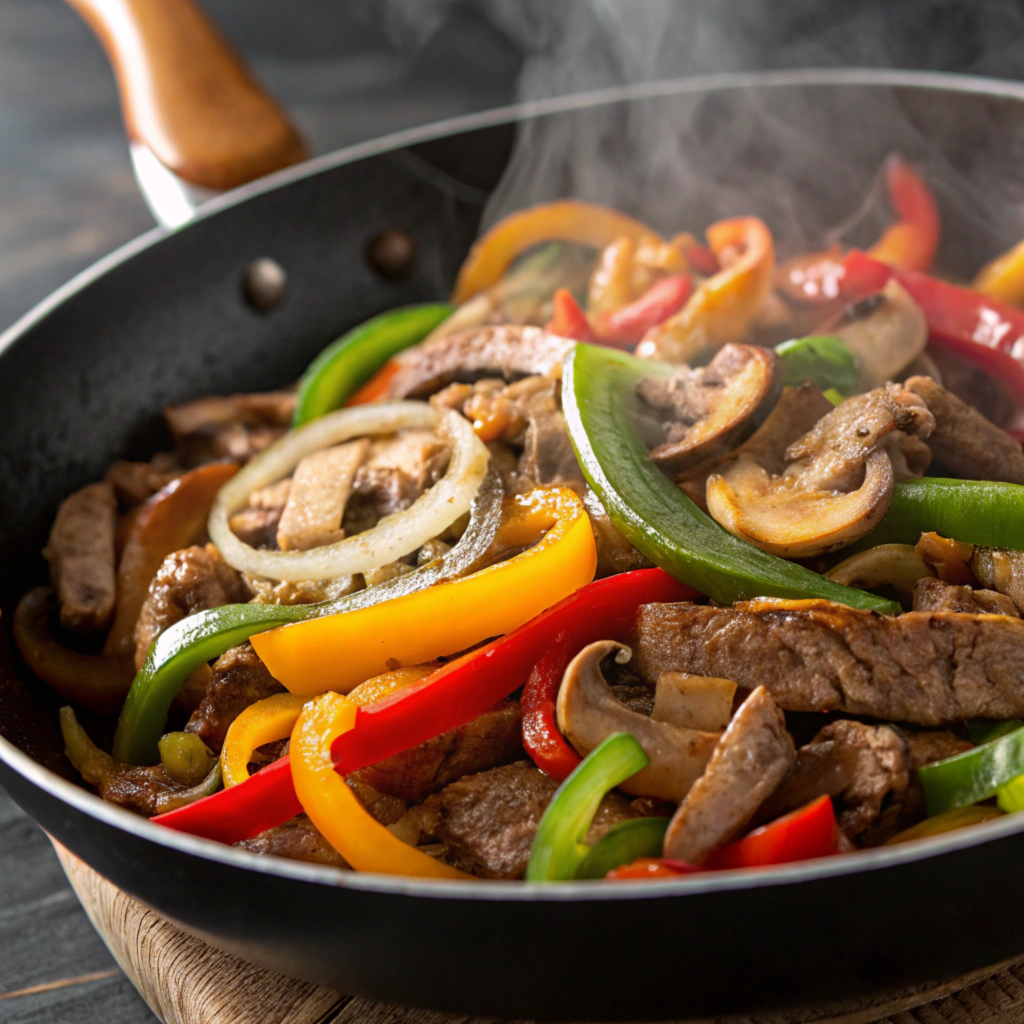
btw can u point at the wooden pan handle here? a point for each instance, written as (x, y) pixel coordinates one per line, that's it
(187, 95)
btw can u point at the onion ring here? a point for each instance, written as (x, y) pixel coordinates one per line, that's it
(394, 536)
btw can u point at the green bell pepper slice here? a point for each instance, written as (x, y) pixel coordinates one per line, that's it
(622, 844)
(345, 366)
(558, 849)
(974, 775)
(823, 359)
(604, 415)
(981, 512)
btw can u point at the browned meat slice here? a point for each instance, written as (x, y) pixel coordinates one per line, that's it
(932, 595)
(714, 407)
(507, 351)
(138, 789)
(977, 388)
(929, 668)
(396, 471)
(750, 760)
(1002, 571)
(232, 427)
(487, 821)
(830, 457)
(860, 766)
(614, 553)
(548, 456)
(81, 556)
(191, 580)
(239, 679)
(964, 443)
(257, 527)
(298, 839)
(931, 745)
(317, 496)
(135, 482)
(489, 740)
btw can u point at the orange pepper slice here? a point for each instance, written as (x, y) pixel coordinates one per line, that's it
(1003, 277)
(567, 220)
(333, 807)
(338, 651)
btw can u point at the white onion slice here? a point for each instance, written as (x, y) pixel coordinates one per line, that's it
(394, 536)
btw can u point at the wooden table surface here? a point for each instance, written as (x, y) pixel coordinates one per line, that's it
(67, 196)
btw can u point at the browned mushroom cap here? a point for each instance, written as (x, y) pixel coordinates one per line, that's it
(506, 351)
(714, 407)
(588, 713)
(782, 517)
(886, 332)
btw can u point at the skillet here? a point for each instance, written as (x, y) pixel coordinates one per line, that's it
(82, 380)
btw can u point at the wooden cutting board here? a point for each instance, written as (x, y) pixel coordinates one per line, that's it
(185, 981)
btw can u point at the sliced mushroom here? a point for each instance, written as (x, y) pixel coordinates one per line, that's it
(780, 516)
(317, 497)
(588, 713)
(713, 407)
(693, 702)
(895, 565)
(1002, 571)
(886, 332)
(753, 756)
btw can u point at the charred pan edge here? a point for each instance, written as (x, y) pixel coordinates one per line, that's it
(864, 860)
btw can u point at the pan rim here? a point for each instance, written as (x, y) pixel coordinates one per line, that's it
(689, 886)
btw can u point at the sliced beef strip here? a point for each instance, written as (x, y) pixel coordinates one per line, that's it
(615, 554)
(239, 679)
(395, 472)
(750, 760)
(1002, 571)
(489, 740)
(298, 839)
(930, 745)
(964, 443)
(233, 427)
(136, 482)
(81, 556)
(548, 456)
(507, 351)
(138, 788)
(830, 456)
(928, 668)
(191, 580)
(486, 822)
(932, 595)
(860, 766)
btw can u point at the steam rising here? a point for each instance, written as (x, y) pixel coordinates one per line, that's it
(804, 158)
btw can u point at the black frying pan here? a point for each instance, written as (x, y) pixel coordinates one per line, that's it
(82, 380)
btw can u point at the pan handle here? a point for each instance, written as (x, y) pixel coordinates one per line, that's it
(186, 95)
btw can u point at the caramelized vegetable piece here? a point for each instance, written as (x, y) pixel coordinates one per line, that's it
(723, 308)
(888, 565)
(950, 560)
(98, 683)
(588, 713)
(173, 518)
(715, 407)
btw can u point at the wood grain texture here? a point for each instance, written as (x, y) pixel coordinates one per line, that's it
(187, 95)
(185, 981)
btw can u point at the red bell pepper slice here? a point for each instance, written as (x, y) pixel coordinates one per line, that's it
(804, 834)
(663, 299)
(444, 700)
(605, 610)
(985, 331)
(910, 243)
(650, 868)
(702, 259)
(568, 320)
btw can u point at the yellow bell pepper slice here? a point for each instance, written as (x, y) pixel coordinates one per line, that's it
(333, 807)
(270, 719)
(274, 717)
(567, 220)
(1003, 278)
(337, 652)
(948, 821)
(724, 307)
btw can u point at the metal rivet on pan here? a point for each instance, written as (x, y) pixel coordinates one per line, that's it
(264, 284)
(392, 254)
